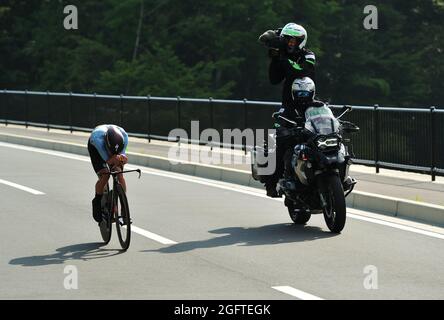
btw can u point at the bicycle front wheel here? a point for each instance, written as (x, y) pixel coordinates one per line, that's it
(123, 221)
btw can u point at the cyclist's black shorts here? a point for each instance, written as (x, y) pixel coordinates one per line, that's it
(97, 162)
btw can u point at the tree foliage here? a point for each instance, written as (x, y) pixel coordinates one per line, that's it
(204, 48)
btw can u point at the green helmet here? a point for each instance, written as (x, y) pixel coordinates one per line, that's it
(295, 36)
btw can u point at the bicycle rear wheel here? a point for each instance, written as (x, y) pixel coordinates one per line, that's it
(123, 221)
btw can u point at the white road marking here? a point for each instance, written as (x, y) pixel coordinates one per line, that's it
(44, 151)
(397, 226)
(152, 236)
(296, 293)
(20, 187)
(237, 188)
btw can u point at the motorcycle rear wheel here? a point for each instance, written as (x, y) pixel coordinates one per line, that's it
(296, 215)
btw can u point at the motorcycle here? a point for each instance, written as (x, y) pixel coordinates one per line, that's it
(316, 178)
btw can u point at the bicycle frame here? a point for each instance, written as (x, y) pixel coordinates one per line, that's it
(114, 174)
(110, 202)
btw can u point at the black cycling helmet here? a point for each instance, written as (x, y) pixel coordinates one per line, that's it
(114, 140)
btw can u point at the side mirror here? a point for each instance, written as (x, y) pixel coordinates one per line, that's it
(276, 115)
(349, 127)
(344, 110)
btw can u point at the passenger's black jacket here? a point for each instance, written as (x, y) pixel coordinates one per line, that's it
(287, 68)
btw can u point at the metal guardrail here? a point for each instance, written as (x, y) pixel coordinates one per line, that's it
(394, 138)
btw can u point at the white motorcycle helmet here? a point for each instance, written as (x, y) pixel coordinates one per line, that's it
(303, 90)
(295, 36)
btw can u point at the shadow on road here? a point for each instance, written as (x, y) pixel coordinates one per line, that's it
(264, 235)
(83, 251)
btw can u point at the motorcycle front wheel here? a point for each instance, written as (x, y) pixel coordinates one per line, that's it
(335, 212)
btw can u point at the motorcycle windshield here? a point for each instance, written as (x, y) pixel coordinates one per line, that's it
(320, 120)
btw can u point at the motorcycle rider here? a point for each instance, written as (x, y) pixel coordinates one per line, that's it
(302, 95)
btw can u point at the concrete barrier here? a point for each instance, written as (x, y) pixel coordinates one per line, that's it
(426, 213)
(381, 204)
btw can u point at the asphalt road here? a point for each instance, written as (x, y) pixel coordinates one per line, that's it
(390, 183)
(230, 242)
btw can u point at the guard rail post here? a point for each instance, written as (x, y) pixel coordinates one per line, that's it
(376, 135)
(433, 144)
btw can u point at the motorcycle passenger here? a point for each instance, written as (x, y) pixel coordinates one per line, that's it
(289, 57)
(290, 60)
(302, 94)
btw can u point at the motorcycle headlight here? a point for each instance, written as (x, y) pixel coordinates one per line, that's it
(323, 142)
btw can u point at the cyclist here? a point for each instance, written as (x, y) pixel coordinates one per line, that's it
(106, 146)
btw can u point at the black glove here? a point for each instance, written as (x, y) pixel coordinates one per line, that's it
(274, 53)
(267, 36)
(272, 39)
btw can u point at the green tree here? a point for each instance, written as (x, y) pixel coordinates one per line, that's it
(209, 48)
